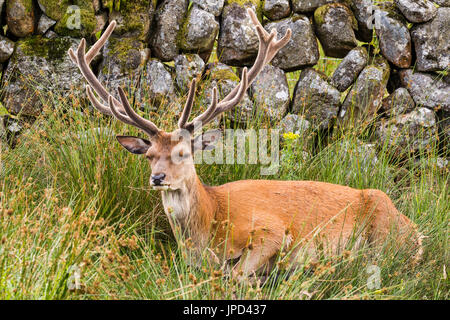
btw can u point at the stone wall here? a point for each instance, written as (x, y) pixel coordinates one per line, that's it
(168, 42)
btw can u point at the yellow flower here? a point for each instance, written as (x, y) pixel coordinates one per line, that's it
(290, 136)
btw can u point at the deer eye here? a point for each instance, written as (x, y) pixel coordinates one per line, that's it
(150, 157)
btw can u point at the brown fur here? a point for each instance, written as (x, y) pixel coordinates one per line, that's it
(265, 215)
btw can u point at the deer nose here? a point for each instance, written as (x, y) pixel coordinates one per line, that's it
(158, 178)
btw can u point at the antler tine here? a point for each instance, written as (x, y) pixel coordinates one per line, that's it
(95, 49)
(268, 48)
(122, 111)
(204, 117)
(87, 72)
(111, 110)
(188, 106)
(113, 106)
(226, 105)
(97, 104)
(146, 125)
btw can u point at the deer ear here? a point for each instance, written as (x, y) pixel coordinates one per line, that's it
(206, 141)
(134, 144)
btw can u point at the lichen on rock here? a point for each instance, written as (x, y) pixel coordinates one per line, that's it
(199, 31)
(316, 99)
(302, 50)
(335, 25)
(365, 98)
(238, 40)
(39, 66)
(134, 18)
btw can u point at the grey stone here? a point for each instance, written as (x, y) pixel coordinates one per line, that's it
(169, 16)
(270, 92)
(45, 23)
(301, 50)
(408, 133)
(51, 34)
(199, 31)
(187, 67)
(223, 77)
(365, 97)
(20, 17)
(10, 129)
(212, 6)
(238, 40)
(134, 19)
(39, 66)
(426, 89)
(334, 26)
(398, 102)
(158, 82)
(394, 38)
(305, 6)
(364, 11)
(123, 62)
(349, 68)
(6, 48)
(316, 99)
(294, 123)
(416, 11)
(276, 9)
(432, 42)
(365, 154)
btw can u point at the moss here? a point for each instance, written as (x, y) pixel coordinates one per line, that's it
(88, 24)
(181, 39)
(224, 74)
(392, 12)
(120, 50)
(57, 9)
(51, 49)
(245, 3)
(28, 4)
(319, 14)
(137, 15)
(257, 3)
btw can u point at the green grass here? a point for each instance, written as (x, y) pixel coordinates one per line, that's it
(73, 199)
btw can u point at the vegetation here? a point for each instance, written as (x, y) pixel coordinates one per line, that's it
(78, 220)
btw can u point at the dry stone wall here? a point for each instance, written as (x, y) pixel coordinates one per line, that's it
(166, 43)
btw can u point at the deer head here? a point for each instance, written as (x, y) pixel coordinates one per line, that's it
(171, 153)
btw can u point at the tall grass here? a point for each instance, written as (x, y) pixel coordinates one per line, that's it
(79, 221)
(74, 203)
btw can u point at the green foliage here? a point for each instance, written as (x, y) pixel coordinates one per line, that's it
(71, 197)
(52, 49)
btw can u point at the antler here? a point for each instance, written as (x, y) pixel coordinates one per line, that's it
(121, 110)
(268, 48)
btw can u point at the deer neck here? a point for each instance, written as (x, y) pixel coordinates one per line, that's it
(190, 210)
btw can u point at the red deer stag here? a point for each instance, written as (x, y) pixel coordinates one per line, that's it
(249, 220)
